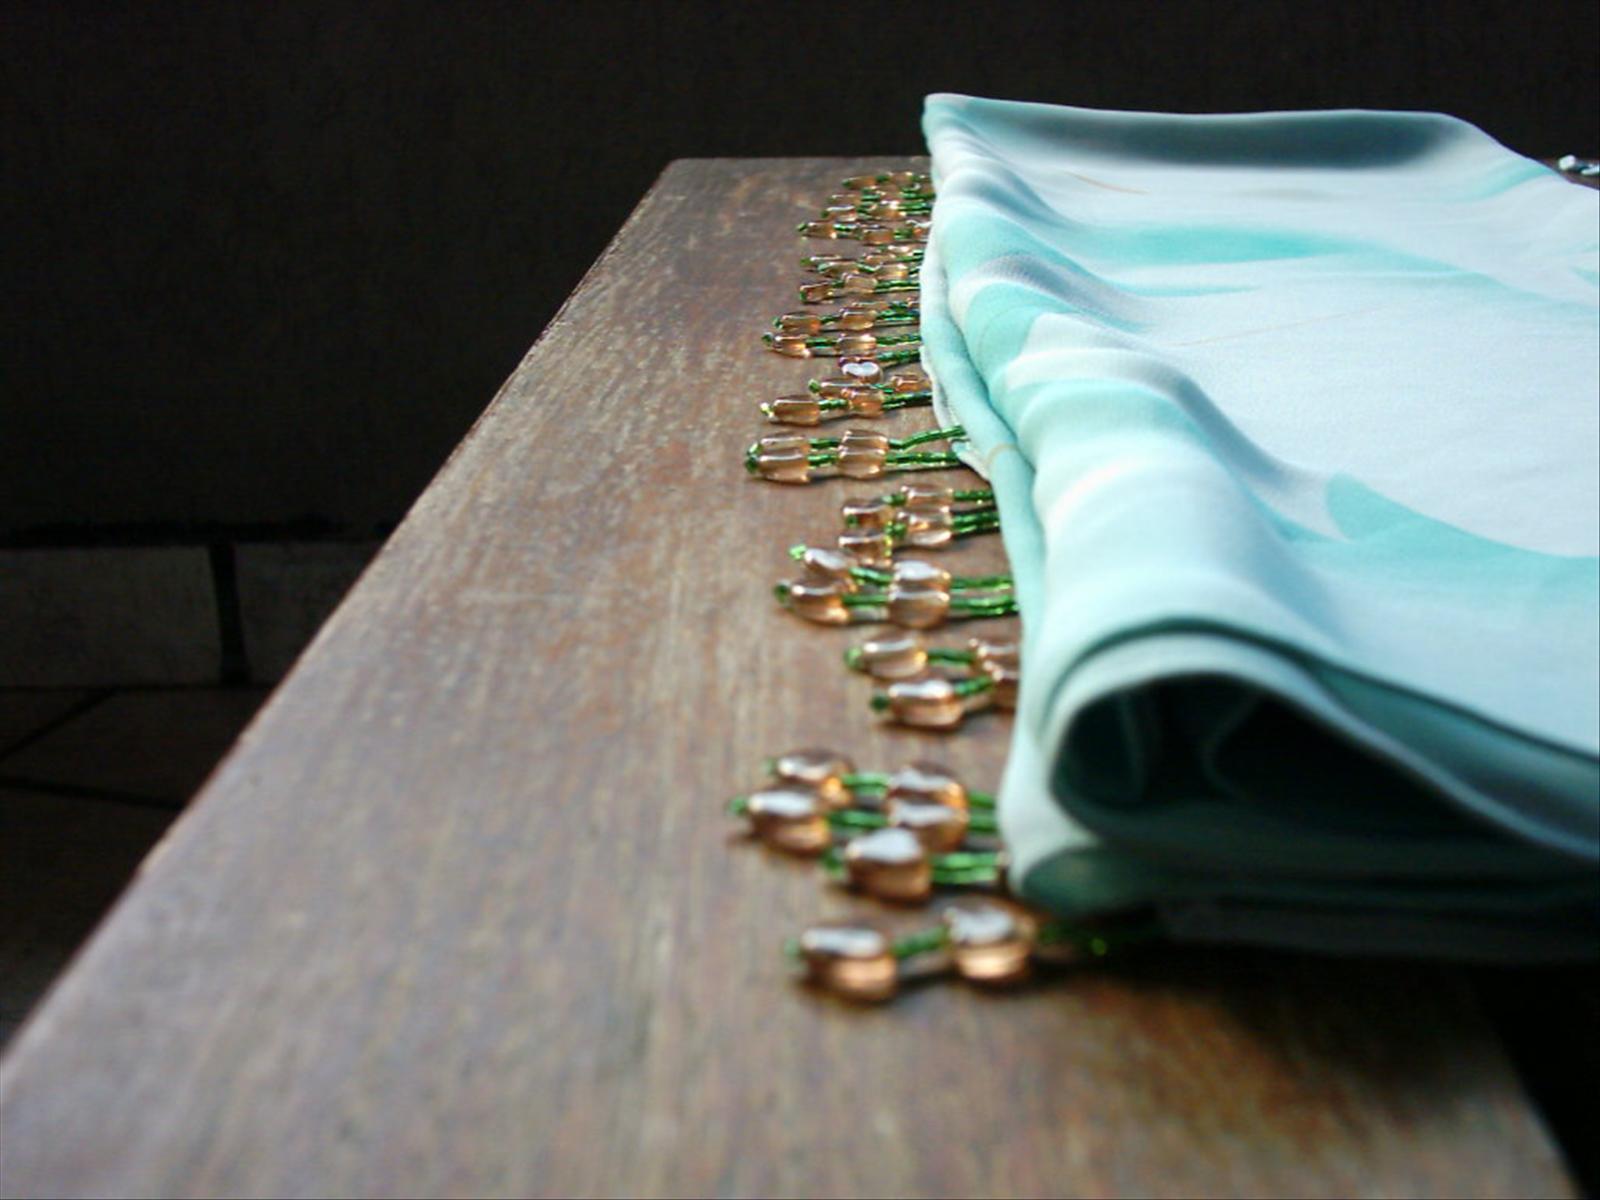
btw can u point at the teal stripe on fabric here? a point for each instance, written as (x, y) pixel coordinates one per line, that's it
(1291, 420)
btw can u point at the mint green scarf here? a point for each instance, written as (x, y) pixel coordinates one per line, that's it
(1292, 421)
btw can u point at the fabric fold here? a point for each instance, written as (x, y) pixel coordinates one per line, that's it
(1292, 423)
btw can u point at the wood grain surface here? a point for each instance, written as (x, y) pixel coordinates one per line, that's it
(461, 913)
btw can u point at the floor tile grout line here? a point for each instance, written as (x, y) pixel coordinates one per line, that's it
(234, 660)
(71, 791)
(73, 712)
(139, 689)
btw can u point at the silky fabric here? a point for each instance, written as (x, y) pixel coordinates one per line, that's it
(1292, 424)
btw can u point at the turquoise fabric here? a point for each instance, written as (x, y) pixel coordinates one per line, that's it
(1292, 422)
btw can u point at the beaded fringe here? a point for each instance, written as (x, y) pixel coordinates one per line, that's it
(908, 836)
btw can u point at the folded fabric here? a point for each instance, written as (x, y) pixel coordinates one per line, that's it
(1292, 424)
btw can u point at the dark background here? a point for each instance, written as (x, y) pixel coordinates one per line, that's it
(264, 264)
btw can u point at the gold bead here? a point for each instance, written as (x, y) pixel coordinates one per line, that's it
(906, 179)
(821, 603)
(840, 212)
(918, 607)
(790, 819)
(784, 466)
(856, 320)
(893, 655)
(800, 322)
(989, 944)
(1006, 681)
(859, 183)
(891, 865)
(818, 229)
(816, 293)
(909, 380)
(875, 235)
(910, 573)
(1002, 663)
(869, 547)
(927, 783)
(927, 495)
(790, 345)
(824, 564)
(823, 771)
(868, 513)
(928, 529)
(857, 284)
(862, 462)
(851, 960)
(939, 827)
(783, 443)
(800, 409)
(994, 653)
(857, 343)
(865, 402)
(866, 304)
(864, 438)
(893, 270)
(930, 703)
(996, 650)
(851, 392)
(863, 453)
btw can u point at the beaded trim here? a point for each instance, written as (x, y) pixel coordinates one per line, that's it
(907, 836)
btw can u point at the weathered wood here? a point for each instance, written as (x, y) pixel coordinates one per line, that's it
(461, 913)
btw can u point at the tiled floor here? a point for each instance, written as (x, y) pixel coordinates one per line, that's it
(90, 775)
(89, 781)
(66, 860)
(155, 746)
(26, 711)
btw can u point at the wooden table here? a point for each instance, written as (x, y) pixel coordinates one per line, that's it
(461, 913)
